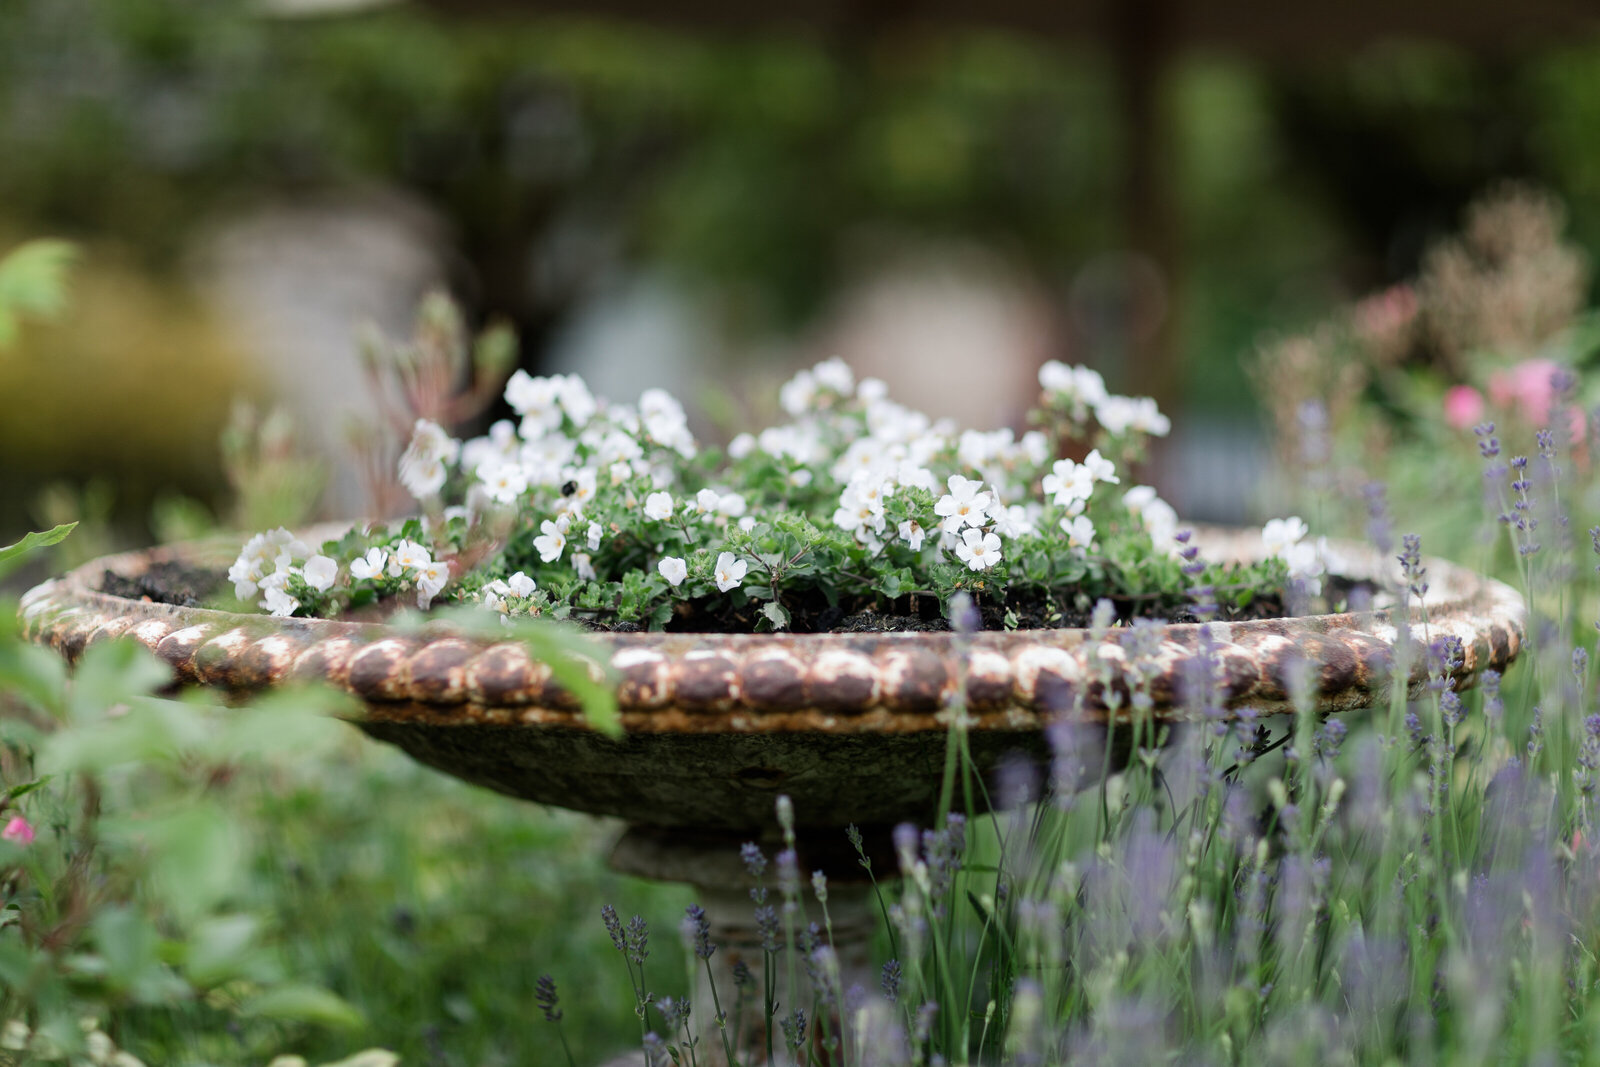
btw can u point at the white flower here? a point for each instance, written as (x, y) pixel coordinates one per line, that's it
(275, 549)
(1034, 447)
(500, 444)
(583, 563)
(369, 566)
(732, 505)
(430, 580)
(1149, 419)
(537, 400)
(674, 570)
(912, 534)
(834, 374)
(658, 506)
(408, 555)
(503, 479)
(279, 603)
(1079, 531)
(1068, 483)
(1279, 534)
(1013, 521)
(575, 399)
(1080, 387)
(797, 393)
(872, 390)
(664, 421)
(620, 472)
(706, 501)
(320, 573)
(741, 446)
(521, 585)
(592, 535)
(964, 504)
(747, 523)
(1101, 468)
(730, 571)
(424, 465)
(15, 1036)
(553, 541)
(1157, 517)
(1303, 559)
(978, 550)
(1285, 539)
(545, 460)
(1138, 498)
(1119, 414)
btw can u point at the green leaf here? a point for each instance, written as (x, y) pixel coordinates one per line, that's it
(195, 852)
(370, 1057)
(33, 282)
(776, 614)
(222, 948)
(12, 555)
(17, 792)
(33, 674)
(111, 673)
(305, 1003)
(128, 951)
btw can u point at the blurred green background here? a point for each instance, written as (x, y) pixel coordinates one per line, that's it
(603, 184)
(651, 204)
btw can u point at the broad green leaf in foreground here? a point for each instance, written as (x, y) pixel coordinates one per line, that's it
(305, 1003)
(11, 555)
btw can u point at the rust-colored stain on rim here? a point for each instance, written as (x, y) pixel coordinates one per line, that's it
(759, 683)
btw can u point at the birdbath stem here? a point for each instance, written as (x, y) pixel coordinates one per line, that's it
(711, 864)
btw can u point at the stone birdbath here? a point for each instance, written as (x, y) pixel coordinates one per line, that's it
(852, 727)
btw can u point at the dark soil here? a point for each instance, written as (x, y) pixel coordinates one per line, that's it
(165, 583)
(810, 612)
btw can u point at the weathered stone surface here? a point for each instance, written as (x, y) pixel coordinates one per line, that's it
(852, 726)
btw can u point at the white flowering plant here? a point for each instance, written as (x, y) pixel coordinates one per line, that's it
(614, 514)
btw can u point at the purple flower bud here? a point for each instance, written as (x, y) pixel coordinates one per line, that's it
(890, 980)
(695, 919)
(544, 995)
(608, 915)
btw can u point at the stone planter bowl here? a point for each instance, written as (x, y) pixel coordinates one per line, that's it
(851, 726)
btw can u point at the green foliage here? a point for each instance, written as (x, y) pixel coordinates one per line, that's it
(614, 516)
(12, 555)
(33, 283)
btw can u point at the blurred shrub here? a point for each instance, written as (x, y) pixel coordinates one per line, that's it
(1494, 329)
(134, 385)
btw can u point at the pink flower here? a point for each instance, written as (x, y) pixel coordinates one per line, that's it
(1528, 387)
(1382, 316)
(1463, 407)
(18, 831)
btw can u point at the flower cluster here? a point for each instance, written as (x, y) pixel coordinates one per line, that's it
(615, 513)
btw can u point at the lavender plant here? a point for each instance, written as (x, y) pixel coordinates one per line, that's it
(614, 514)
(1415, 883)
